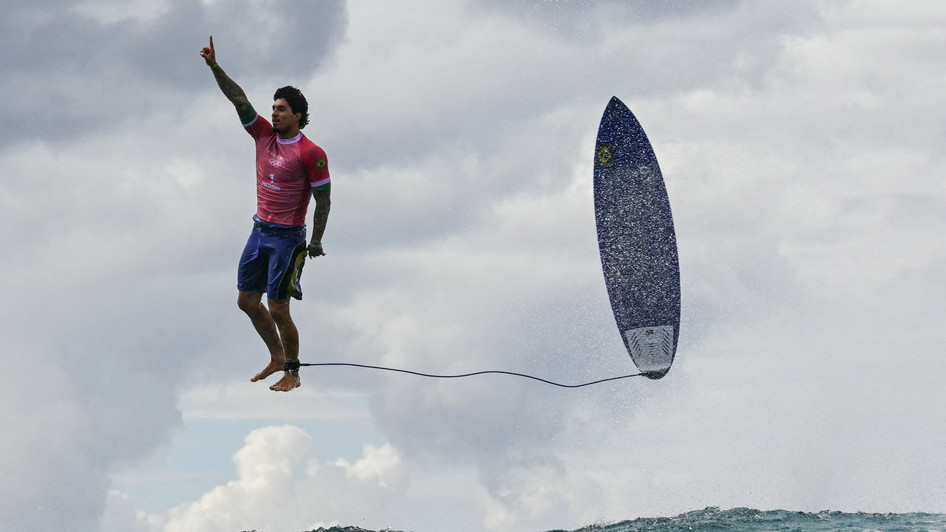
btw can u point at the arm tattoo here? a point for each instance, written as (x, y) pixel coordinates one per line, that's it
(323, 204)
(230, 89)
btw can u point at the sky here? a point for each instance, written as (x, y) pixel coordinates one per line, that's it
(801, 144)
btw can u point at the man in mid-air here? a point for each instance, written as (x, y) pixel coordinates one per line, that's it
(289, 168)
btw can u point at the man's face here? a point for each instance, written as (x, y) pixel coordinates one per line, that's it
(284, 120)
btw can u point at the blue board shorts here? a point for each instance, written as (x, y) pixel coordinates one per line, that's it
(272, 260)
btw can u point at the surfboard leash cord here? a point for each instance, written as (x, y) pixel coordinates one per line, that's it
(296, 365)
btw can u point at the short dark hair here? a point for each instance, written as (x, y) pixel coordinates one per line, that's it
(297, 102)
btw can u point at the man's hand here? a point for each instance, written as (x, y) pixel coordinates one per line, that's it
(230, 89)
(209, 55)
(315, 250)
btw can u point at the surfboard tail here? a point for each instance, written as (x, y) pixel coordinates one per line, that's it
(652, 349)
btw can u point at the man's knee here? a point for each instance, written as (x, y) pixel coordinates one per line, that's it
(279, 309)
(249, 302)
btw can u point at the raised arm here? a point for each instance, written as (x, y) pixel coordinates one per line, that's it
(230, 89)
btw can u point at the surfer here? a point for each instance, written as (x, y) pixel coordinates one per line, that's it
(289, 167)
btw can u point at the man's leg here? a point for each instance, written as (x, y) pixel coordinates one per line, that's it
(252, 304)
(279, 310)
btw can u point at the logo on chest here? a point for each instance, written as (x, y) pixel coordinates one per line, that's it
(271, 184)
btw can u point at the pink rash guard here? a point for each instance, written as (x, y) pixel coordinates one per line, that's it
(286, 172)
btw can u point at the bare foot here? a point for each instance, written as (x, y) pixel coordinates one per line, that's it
(273, 367)
(288, 382)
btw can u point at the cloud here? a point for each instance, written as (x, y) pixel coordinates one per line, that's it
(232, 401)
(276, 487)
(73, 70)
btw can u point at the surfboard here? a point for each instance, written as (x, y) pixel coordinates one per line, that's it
(637, 241)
